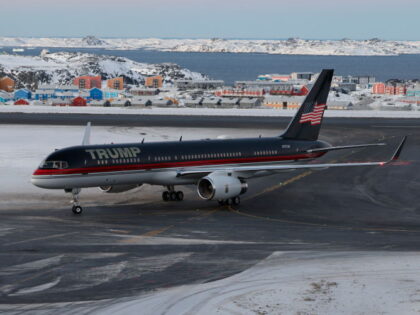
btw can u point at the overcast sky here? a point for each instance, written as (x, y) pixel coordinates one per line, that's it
(265, 19)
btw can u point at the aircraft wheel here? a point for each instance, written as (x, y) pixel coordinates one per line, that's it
(173, 196)
(165, 196)
(179, 195)
(236, 201)
(77, 210)
(229, 202)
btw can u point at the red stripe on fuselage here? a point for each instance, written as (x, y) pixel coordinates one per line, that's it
(150, 166)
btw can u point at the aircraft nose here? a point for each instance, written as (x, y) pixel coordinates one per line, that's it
(34, 179)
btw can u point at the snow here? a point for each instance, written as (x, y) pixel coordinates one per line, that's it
(63, 67)
(185, 111)
(291, 46)
(296, 283)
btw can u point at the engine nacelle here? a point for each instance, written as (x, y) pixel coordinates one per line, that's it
(117, 188)
(220, 187)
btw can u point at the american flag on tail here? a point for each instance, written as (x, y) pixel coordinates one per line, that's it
(315, 116)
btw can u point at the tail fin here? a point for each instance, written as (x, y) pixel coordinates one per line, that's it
(307, 121)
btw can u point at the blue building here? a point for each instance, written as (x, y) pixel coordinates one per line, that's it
(43, 95)
(413, 91)
(4, 97)
(22, 94)
(110, 93)
(96, 94)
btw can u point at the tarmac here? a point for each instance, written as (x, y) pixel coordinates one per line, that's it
(51, 257)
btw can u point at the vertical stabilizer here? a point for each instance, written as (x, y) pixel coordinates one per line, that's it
(307, 121)
(86, 136)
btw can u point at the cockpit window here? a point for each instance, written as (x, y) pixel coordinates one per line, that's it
(54, 165)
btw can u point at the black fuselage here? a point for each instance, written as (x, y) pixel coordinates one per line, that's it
(114, 157)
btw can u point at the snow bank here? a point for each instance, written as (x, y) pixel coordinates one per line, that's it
(297, 283)
(183, 111)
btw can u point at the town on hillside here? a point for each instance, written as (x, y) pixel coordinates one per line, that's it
(279, 91)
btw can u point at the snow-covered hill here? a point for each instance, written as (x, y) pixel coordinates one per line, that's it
(290, 46)
(62, 67)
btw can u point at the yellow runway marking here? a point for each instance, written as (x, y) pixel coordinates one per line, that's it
(282, 184)
(299, 177)
(152, 233)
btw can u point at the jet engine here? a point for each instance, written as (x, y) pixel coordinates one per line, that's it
(220, 187)
(117, 188)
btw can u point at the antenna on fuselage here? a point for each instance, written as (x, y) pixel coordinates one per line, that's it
(142, 141)
(180, 139)
(86, 136)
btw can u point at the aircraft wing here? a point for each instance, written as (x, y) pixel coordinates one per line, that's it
(284, 167)
(356, 146)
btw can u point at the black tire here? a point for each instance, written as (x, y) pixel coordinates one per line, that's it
(236, 201)
(179, 195)
(165, 196)
(229, 202)
(172, 195)
(77, 210)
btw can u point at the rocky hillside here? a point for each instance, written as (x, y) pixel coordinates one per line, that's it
(63, 67)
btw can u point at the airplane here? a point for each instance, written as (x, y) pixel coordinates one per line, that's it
(219, 168)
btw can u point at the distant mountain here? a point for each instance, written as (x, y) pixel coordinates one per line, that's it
(93, 41)
(63, 67)
(291, 46)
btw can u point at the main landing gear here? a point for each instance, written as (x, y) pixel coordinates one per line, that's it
(172, 195)
(77, 209)
(235, 201)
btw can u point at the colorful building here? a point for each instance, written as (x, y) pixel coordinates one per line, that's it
(79, 101)
(110, 93)
(389, 89)
(154, 82)
(96, 94)
(43, 95)
(22, 94)
(88, 82)
(7, 84)
(239, 93)
(116, 83)
(414, 91)
(5, 97)
(22, 102)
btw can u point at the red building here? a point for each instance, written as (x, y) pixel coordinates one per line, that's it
(294, 91)
(239, 92)
(88, 82)
(389, 89)
(21, 102)
(79, 101)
